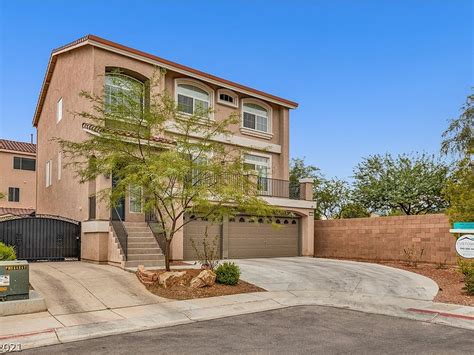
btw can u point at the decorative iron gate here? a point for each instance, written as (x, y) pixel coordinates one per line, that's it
(42, 237)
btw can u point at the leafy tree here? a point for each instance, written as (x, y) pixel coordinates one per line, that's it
(459, 136)
(459, 141)
(354, 210)
(460, 192)
(331, 196)
(411, 184)
(299, 170)
(174, 163)
(2, 195)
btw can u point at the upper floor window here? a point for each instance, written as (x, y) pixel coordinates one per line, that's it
(14, 194)
(124, 95)
(227, 97)
(256, 117)
(21, 163)
(193, 98)
(48, 173)
(60, 165)
(59, 110)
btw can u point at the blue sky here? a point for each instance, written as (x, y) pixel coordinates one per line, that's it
(370, 76)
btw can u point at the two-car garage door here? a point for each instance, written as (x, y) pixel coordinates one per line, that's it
(244, 237)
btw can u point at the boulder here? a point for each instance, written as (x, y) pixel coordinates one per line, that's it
(196, 282)
(208, 276)
(205, 278)
(145, 276)
(167, 277)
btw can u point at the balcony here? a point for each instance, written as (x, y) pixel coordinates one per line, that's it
(277, 188)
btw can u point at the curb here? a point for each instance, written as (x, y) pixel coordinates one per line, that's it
(443, 314)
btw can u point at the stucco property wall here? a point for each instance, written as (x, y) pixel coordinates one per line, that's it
(384, 238)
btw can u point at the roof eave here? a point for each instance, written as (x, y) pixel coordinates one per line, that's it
(143, 56)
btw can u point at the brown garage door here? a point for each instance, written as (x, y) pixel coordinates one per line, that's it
(251, 239)
(195, 230)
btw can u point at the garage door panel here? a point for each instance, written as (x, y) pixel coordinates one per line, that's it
(256, 240)
(195, 230)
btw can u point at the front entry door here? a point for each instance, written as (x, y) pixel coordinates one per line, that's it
(119, 211)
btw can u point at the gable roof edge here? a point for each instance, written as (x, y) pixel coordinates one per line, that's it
(152, 59)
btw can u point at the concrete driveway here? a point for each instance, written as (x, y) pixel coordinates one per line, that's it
(76, 287)
(336, 277)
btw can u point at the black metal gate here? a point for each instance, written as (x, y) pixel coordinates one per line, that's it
(42, 237)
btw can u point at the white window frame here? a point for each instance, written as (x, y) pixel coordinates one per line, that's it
(260, 155)
(255, 132)
(200, 85)
(59, 110)
(130, 200)
(129, 77)
(269, 166)
(230, 93)
(60, 165)
(14, 195)
(49, 171)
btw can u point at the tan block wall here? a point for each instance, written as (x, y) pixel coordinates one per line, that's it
(384, 238)
(23, 179)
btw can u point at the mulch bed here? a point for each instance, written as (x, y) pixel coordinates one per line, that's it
(178, 291)
(448, 278)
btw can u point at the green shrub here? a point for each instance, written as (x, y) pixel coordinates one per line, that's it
(466, 267)
(228, 274)
(7, 252)
(469, 282)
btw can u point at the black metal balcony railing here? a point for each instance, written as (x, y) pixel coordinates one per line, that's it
(277, 188)
(266, 186)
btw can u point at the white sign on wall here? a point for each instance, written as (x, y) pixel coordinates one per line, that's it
(465, 246)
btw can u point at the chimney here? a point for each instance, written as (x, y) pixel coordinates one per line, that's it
(31, 138)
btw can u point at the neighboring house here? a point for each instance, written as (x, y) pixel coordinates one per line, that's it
(17, 177)
(88, 64)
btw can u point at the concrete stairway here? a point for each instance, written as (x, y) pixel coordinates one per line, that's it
(143, 249)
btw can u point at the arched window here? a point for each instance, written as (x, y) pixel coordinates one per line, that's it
(227, 97)
(256, 116)
(193, 97)
(124, 95)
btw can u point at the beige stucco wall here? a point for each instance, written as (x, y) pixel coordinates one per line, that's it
(84, 69)
(65, 197)
(23, 179)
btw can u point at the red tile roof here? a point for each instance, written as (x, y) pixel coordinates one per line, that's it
(104, 43)
(17, 146)
(16, 211)
(99, 129)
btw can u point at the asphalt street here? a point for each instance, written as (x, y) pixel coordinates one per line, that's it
(295, 330)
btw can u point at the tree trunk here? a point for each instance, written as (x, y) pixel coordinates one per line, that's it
(167, 254)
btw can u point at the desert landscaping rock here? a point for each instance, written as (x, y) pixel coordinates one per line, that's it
(145, 276)
(197, 283)
(205, 278)
(165, 278)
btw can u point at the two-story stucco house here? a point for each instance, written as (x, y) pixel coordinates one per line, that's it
(17, 177)
(88, 64)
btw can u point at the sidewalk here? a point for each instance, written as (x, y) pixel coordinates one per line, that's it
(42, 329)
